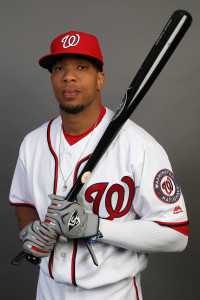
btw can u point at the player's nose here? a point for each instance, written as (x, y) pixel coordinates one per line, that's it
(69, 75)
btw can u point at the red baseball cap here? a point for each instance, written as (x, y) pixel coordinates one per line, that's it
(74, 42)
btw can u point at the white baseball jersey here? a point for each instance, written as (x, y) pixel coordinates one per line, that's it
(133, 180)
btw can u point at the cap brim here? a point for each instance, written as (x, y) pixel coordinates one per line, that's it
(47, 61)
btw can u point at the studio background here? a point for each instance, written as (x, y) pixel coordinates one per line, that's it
(126, 31)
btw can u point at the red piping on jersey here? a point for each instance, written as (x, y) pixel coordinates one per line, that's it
(22, 204)
(54, 185)
(103, 111)
(75, 246)
(55, 157)
(181, 227)
(73, 269)
(136, 289)
(51, 264)
(56, 167)
(78, 166)
(54, 191)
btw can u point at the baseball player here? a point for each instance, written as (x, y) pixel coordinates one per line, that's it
(131, 205)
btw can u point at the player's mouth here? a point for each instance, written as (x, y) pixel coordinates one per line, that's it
(70, 93)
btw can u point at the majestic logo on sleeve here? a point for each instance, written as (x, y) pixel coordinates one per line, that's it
(70, 41)
(166, 187)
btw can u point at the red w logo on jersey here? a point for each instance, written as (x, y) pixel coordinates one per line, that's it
(95, 192)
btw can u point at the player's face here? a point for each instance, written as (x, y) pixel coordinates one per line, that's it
(76, 83)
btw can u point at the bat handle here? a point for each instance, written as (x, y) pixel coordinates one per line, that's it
(22, 255)
(34, 260)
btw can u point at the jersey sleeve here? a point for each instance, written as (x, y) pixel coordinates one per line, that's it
(19, 192)
(158, 195)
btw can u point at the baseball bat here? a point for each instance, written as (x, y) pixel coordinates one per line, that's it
(158, 56)
(155, 61)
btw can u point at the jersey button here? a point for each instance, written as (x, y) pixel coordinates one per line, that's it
(67, 155)
(63, 254)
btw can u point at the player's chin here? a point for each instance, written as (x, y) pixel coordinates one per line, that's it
(71, 108)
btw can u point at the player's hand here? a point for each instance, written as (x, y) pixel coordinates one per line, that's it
(38, 239)
(70, 219)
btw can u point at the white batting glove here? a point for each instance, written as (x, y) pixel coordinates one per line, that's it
(70, 219)
(38, 239)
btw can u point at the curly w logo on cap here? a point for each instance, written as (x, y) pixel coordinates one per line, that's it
(70, 41)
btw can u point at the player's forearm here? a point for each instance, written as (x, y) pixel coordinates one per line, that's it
(142, 236)
(25, 216)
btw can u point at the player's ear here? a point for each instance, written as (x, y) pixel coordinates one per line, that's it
(100, 80)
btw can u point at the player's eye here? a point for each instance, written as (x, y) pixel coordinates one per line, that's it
(82, 67)
(58, 68)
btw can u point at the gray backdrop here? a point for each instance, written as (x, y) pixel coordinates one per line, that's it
(170, 112)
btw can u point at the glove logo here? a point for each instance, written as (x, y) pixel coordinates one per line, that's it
(70, 41)
(74, 221)
(166, 187)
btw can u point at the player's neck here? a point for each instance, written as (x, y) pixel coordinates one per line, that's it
(76, 124)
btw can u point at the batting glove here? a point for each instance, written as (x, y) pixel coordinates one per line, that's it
(70, 219)
(38, 239)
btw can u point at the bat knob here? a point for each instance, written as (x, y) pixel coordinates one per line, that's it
(34, 260)
(20, 257)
